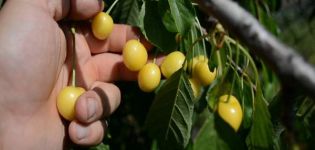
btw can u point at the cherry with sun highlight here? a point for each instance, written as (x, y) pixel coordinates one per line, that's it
(69, 95)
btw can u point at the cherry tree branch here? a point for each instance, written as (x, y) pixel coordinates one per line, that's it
(291, 68)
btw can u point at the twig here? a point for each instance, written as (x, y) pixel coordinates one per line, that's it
(291, 68)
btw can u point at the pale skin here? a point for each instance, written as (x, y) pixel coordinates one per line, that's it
(35, 64)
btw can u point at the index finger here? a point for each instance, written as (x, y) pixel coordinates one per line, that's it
(116, 41)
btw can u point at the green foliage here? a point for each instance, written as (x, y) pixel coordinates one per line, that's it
(297, 26)
(170, 117)
(191, 44)
(270, 86)
(127, 12)
(126, 125)
(301, 124)
(180, 14)
(245, 92)
(100, 147)
(207, 135)
(261, 132)
(153, 29)
(214, 134)
(160, 21)
(262, 10)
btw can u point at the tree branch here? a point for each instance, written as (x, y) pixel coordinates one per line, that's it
(290, 67)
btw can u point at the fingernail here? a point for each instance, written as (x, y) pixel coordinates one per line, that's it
(91, 103)
(81, 132)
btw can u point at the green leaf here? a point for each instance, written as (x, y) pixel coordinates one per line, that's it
(305, 106)
(261, 133)
(261, 10)
(167, 17)
(273, 5)
(267, 20)
(247, 104)
(153, 28)
(249, 5)
(182, 12)
(101, 146)
(192, 44)
(170, 117)
(218, 134)
(245, 92)
(127, 12)
(208, 135)
(154, 145)
(271, 85)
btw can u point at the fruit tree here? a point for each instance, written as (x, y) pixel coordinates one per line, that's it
(234, 75)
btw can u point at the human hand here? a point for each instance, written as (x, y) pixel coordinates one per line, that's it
(35, 64)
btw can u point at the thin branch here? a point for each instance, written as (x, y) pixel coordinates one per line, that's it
(290, 67)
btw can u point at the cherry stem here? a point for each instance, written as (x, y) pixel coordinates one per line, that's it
(73, 57)
(155, 56)
(111, 7)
